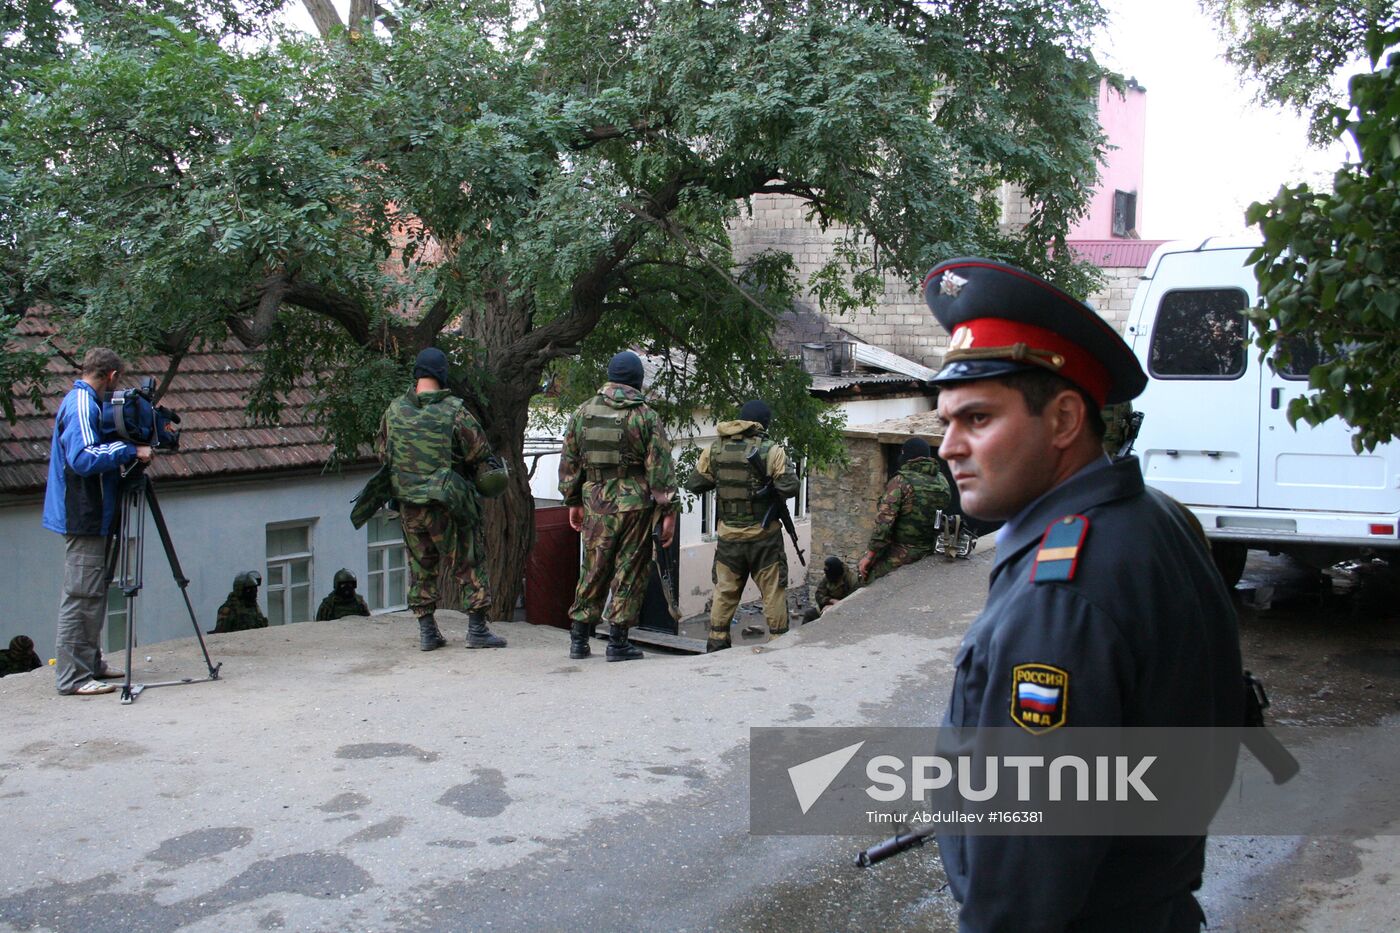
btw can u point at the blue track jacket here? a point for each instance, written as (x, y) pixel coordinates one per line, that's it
(81, 497)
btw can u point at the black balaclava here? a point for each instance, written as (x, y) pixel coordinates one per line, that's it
(833, 568)
(626, 368)
(913, 449)
(756, 410)
(431, 363)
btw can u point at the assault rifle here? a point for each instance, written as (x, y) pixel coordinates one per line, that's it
(777, 504)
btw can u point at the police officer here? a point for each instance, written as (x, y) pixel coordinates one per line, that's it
(240, 611)
(616, 477)
(906, 519)
(343, 600)
(433, 444)
(748, 471)
(836, 584)
(1103, 600)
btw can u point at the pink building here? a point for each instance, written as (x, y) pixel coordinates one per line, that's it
(1116, 208)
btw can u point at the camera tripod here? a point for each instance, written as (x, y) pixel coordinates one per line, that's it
(126, 563)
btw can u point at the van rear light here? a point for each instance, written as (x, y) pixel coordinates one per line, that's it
(1382, 529)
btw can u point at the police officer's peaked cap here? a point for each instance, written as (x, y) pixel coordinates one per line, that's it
(343, 575)
(626, 368)
(913, 449)
(431, 363)
(756, 410)
(1005, 320)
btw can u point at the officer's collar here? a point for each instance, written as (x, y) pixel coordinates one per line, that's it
(1094, 484)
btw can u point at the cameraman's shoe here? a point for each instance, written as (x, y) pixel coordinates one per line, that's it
(619, 648)
(579, 633)
(429, 637)
(478, 635)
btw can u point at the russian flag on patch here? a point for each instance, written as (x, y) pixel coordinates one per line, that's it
(1043, 699)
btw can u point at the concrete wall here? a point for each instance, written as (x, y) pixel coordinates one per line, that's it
(1115, 299)
(843, 504)
(217, 531)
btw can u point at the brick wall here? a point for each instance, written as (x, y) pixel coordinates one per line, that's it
(1115, 299)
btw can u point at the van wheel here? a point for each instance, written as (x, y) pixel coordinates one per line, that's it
(1229, 560)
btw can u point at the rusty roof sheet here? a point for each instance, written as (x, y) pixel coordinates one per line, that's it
(210, 391)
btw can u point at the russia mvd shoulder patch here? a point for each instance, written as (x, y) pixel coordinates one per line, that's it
(1039, 697)
(1059, 550)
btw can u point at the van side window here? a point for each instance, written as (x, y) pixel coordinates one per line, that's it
(1200, 334)
(1303, 355)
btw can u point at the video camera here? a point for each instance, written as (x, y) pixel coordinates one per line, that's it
(133, 416)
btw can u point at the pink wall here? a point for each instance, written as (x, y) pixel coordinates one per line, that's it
(1124, 122)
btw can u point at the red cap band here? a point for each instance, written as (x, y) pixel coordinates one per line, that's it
(1079, 366)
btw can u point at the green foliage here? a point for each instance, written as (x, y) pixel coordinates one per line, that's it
(1329, 269)
(1294, 48)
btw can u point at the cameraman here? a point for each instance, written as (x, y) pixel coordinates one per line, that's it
(80, 503)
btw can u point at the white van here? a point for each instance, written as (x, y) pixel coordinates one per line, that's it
(1215, 431)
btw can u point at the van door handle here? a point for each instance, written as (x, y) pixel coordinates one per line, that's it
(1274, 397)
(1211, 453)
(1171, 453)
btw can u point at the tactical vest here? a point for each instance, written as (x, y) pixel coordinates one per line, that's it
(605, 455)
(919, 526)
(420, 449)
(737, 481)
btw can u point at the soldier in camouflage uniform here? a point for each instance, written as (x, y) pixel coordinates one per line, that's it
(838, 582)
(745, 494)
(343, 600)
(1116, 419)
(906, 520)
(616, 476)
(240, 611)
(20, 657)
(432, 443)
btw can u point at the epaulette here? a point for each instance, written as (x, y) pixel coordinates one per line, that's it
(1059, 550)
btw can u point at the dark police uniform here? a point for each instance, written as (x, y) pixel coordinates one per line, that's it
(1104, 609)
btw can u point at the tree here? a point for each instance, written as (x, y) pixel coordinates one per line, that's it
(534, 188)
(1294, 48)
(1329, 269)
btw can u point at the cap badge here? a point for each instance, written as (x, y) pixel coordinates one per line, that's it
(951, 285)
(962, 339)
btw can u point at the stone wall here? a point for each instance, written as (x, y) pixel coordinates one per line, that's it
(1115, 299)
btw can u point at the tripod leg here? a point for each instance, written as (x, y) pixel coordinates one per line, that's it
(180, 579)
(121, 559)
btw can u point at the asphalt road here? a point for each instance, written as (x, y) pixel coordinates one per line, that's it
(336, 778)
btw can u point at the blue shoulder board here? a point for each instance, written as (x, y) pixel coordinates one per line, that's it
(1059, 550)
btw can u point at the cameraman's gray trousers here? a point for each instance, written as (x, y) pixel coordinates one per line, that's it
(81, 611)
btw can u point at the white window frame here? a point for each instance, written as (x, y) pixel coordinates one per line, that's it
(709, 518)
(282, 592)
(379, 570)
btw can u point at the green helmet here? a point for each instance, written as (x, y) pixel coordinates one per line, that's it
(491, 477)
(345, 576)
(247, 580)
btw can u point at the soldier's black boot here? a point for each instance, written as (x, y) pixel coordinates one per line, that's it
(619, 648)
(428, 635)
(578, 641)
(478, 635)
(718, 640)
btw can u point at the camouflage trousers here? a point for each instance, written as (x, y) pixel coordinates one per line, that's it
(896, 555)
(765, 560)
(431, 536)
(616, 560)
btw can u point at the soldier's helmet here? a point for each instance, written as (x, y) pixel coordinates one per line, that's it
(247, 580)
(491, 478)
(345, 579)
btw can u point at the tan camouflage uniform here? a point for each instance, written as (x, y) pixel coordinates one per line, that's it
(745, 548)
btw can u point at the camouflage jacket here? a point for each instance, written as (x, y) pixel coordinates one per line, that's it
(235, 615)
(908, 509)
(468, 445)
(828, 591)
(336, 607)
(644, 446)
(780, 471)
(1115, 420)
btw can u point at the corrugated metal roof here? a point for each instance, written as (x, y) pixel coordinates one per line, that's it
(1116, 254)
(209, 392)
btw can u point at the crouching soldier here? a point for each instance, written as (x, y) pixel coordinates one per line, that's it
(343, 600)
(838, 582)
(240, 611)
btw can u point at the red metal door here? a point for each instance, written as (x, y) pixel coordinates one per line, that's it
(551, 571)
